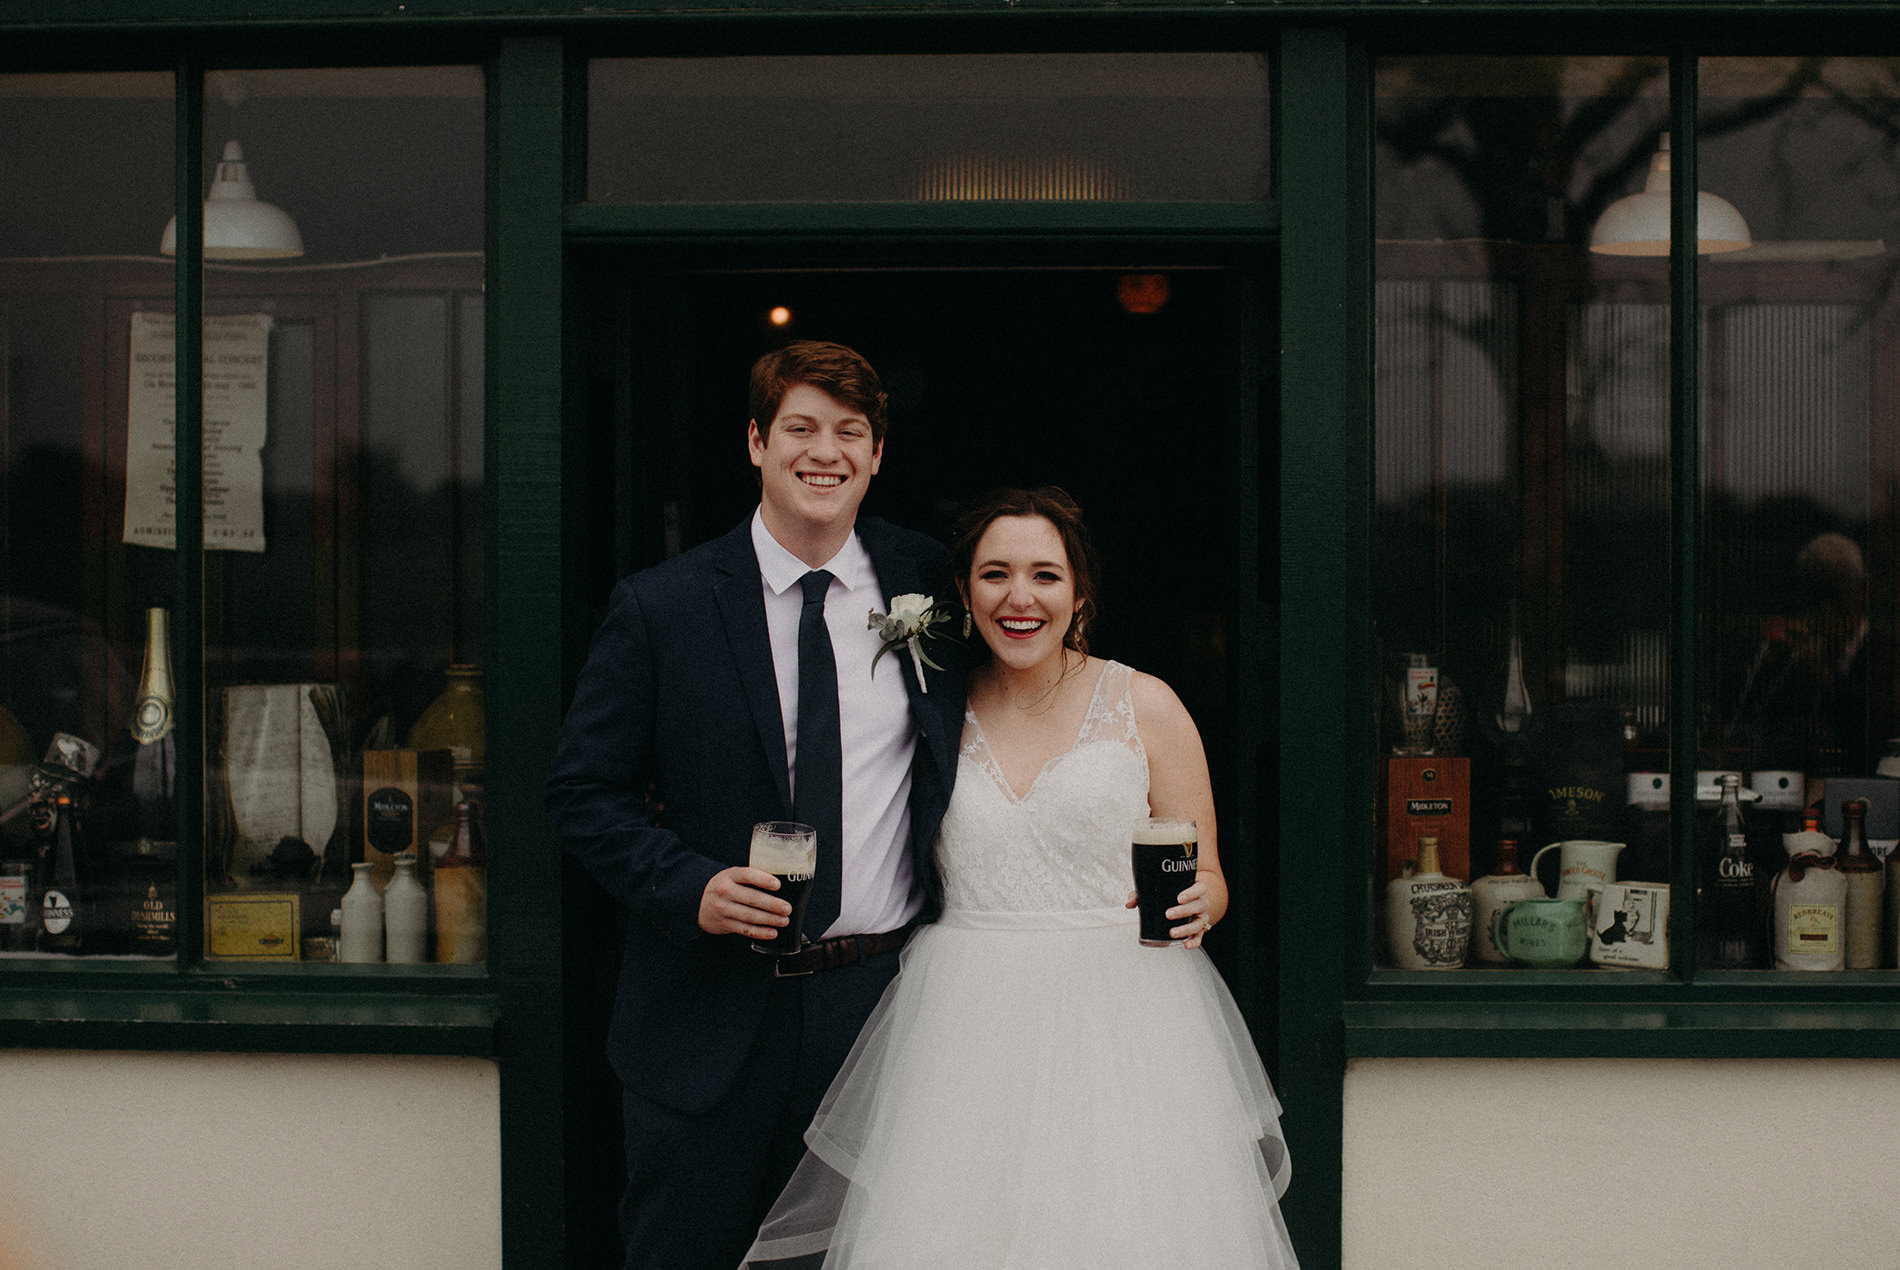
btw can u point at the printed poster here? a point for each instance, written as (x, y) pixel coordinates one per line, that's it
(235, 353)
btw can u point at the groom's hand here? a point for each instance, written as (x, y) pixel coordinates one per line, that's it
(739, 901)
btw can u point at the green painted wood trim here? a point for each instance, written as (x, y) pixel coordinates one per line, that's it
(1326, 785)
(114, 14)
(187, 625)
(1231, 221)
(523, 689)
(1507, 1030)
(230, 1022)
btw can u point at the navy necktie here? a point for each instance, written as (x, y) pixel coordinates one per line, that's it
(818, 784)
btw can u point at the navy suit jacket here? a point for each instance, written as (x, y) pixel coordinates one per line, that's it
(679, 689)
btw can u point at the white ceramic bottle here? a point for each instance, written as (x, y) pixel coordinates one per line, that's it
(1428, 916)
(1493, 891)
(406, 914)
(362, 918)
(1810, 903)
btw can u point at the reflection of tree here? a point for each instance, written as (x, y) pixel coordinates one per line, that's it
(1536, 162)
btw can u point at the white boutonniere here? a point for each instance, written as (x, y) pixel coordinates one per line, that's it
(912, 619)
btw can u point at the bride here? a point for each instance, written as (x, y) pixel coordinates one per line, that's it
(1037, 1089)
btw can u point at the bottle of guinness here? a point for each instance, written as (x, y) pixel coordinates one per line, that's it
(64, 912)
(1730, 924)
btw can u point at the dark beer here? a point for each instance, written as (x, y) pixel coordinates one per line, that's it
(789, 852)
(1165, 857)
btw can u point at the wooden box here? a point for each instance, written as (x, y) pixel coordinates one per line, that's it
(1428, 797)
(406, 795)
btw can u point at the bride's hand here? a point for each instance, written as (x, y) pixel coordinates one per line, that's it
(1194, 912)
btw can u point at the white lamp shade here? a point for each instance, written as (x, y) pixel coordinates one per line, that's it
(1638, 224)
(236, 225)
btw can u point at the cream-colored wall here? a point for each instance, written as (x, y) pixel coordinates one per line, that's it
(1673, 1163)
(236, 1162)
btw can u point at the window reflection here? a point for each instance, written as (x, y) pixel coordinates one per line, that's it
(1797, 487)
(342, 479)
(1522, 545)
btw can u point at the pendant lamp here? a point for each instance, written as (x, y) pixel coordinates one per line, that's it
(237, 226)
(1638, 224)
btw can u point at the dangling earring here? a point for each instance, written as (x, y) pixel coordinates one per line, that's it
(966, 623)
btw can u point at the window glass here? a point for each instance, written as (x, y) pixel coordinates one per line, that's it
(1522, 533)
(1797, 476)
(1031, 127)
(340, 630)
(89, 185)
(343, 502)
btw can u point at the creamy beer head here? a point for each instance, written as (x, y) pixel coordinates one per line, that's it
(787, 849)
(1155, 831)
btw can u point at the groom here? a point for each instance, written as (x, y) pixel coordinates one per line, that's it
(709, 682)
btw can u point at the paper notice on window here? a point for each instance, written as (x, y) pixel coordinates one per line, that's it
(235, 360)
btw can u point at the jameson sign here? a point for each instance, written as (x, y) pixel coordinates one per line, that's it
(235, 353)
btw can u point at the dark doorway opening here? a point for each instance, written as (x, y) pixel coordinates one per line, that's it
(1032, 373)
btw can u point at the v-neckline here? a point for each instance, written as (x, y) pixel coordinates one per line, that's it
(996, 764)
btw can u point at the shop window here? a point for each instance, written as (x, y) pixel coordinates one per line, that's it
(1526, 540)
(338, 642)
(939, 128)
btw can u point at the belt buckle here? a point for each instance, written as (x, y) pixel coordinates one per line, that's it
(778, 963)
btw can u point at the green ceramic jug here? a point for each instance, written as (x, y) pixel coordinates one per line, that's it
(1542, 934)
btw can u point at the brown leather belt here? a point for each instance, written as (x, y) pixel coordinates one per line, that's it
(845, 950)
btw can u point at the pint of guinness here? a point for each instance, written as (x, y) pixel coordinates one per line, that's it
(1165, 858)
(789, 852)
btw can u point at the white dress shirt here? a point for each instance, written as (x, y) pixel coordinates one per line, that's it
(876, 728)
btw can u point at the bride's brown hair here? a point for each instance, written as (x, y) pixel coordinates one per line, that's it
(1053, 504)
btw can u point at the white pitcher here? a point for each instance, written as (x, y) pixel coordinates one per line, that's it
(1582, 866)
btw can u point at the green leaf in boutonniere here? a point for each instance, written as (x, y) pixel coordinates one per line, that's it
(912, 620)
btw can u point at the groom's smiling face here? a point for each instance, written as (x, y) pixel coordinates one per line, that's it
(815, 460)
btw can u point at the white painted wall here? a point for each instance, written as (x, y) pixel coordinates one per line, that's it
(1673, 1163)
(232, 1162)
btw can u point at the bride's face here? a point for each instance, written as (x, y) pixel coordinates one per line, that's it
(1021, 591)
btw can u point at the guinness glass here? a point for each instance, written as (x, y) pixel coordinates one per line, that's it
(1165, 858)
(789, 852)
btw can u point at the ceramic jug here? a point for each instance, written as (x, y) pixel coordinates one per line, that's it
(1542, 934)
(1582, 866)
(1492, 892)
(1428, 915)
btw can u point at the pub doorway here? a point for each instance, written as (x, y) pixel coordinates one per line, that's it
(1136, 384)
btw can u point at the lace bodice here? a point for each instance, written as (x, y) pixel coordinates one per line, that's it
(1062, 846)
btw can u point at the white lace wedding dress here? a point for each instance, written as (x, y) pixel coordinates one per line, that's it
(1037, 1091)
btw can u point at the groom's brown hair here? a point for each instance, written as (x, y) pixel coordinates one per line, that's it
(831, 368)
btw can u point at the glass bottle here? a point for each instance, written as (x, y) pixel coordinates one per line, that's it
(461, 892)
(63, 908)
(1865, 882)
(18, 925)
(1731, 918)
(405, 915)
(154, 817)
(454, 722)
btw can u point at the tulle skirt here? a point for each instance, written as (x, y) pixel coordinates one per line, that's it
(1041, 1092)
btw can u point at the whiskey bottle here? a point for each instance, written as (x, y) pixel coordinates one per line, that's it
(461, 906)
(1865, 880)
(1731, 925)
